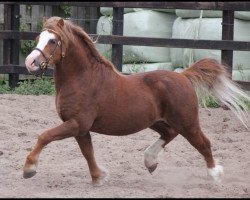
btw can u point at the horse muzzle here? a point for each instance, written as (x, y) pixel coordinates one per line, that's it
(35, 67)
(31, 65)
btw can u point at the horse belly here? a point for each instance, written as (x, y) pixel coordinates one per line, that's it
(124, 123)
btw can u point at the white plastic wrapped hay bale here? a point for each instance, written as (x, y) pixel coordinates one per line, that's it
(183, 29)
(104, 27)
(165, 10)
(145, 67)
(145, 23)
(179, 69)
(241, 59)
(211, 29)
(107, 11)
(208, 29)
(159, 10)
(244, 15)
(241, 75)
(183, 13)
(148, 23)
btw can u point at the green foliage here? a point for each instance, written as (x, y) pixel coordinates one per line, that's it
(212, 102)
(43, 86)
(67, 10)
(39, 25)
(22, 26)
(110, 19)
(209, 101)
(28, 45)
(4, 87)
(248, 104)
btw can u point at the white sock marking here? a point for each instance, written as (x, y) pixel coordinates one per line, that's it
(151, 153)
(215, 172)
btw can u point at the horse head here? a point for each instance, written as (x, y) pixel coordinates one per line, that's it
(50, 48)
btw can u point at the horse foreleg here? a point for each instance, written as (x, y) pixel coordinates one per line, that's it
(67, 129)
(97, 174)
(152, 152)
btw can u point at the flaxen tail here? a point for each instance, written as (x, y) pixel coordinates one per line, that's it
(208, 75)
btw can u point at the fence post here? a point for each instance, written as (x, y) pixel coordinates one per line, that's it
(228, 34)
(117, 49)
(94, 16)
(11, 46)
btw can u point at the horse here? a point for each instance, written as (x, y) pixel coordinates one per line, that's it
(93, 96)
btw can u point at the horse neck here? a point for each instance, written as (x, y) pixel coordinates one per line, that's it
(79, 65)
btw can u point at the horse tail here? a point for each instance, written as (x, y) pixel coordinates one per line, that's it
(209, 76)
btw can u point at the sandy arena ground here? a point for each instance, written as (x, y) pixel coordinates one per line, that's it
(63, 172)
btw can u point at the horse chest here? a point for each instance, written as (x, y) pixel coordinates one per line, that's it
(66, 108)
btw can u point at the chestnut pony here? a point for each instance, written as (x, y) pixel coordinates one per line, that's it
(91, 95)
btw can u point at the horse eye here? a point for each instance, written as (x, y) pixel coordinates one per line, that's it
(52, 41)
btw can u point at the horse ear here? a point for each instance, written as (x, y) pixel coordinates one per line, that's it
(44, 20)
(60, 23)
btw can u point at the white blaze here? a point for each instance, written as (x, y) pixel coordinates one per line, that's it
(45, 36)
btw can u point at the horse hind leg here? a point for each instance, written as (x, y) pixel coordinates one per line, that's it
(152, 152)
(198, 140)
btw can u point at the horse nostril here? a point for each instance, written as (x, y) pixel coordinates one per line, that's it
(33, 62)
(36, 61)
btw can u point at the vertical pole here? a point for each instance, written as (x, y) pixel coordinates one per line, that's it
(228, 34)
(7, 26)
(11, 47)
(117, 49)
(94, 16)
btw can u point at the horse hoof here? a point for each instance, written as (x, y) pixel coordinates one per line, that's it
(97, 183)
(29, 174)
(100, 180)
(152, 168)
(216, 173)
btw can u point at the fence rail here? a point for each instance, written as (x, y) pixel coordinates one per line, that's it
(236, 5)
(11, 33)
(146, 41)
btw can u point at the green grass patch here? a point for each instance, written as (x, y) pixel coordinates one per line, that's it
(44, 86)
(4, 87)
(210, 101)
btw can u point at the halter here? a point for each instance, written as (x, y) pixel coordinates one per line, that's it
(44, 65)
